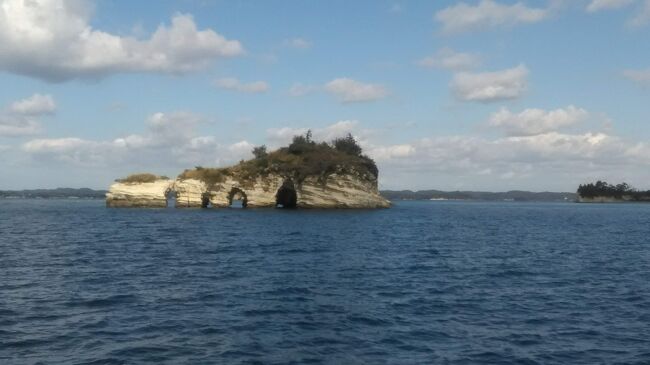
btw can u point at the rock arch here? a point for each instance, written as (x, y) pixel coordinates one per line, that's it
(171, 198)
(205, 200)
(237, 194)
(286, 197)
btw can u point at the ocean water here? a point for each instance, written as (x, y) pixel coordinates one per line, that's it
(421, 283)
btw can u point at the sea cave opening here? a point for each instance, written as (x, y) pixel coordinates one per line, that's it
(286, 197)
(170, 196)
(205, 201)
(237, 198)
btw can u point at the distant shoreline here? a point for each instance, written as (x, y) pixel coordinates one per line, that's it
(514, 196)
(58, 193)
(395, 195)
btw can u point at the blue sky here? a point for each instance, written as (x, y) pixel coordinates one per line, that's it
(480, 94)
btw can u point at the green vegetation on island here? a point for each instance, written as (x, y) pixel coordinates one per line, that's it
(303, 158)
(622, 191)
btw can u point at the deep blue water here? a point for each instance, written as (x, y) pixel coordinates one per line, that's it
(421, 283)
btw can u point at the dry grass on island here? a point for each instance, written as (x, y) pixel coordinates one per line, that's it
(141, 178)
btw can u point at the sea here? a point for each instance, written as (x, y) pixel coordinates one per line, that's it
(424, 282)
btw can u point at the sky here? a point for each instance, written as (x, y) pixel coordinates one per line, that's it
(453, 95)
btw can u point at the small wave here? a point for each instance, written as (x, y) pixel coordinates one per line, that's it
(103, 302)
(368, 321)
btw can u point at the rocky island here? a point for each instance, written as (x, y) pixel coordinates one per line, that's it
(305, 174)
(602, 192)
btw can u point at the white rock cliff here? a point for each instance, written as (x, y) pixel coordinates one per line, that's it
(337, 191)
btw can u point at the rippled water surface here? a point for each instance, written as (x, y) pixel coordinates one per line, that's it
(423, 282)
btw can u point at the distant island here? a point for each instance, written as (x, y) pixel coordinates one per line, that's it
(515, 195)
(602, 192)
(304, 174)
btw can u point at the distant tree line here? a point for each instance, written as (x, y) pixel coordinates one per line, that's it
(602, 188)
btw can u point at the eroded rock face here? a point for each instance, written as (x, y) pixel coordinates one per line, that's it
(257, 194)
(338, 191)
(149, 194)
(190, 193)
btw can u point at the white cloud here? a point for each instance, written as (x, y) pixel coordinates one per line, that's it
(36, 104)
(491, 86)
(282, 136)
(383, 153)
(536, 121)
(352, 91)
(338, 129)
(550, 161)
(300, 43)
(639, 76)
(22, 117)
(487, 14)
(447, 58)
(170, 140)
(17, 126)
(55, 145)
(642, 16)
(597, 5)
(231, 83)
(241, 148)
(298, 89)
(53, 40)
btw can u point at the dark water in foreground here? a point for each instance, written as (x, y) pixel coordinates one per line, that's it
(424, 282)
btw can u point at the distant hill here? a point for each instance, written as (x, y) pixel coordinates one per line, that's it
(514, 195)
(58, 193)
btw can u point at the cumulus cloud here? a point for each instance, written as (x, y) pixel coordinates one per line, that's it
(553, 161)
(53, 40)
(36, 104)
(383, 153)
(282, 136)
(299, 89)
(18, 126)
(639, 76)
(487, 14)
(231, 83)
(448, 59)
(491, 86)
(170, 140)
(353, 91)
(536, 121)
(23, 117)
(642, 16)
(597, 5)
(300, 43)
